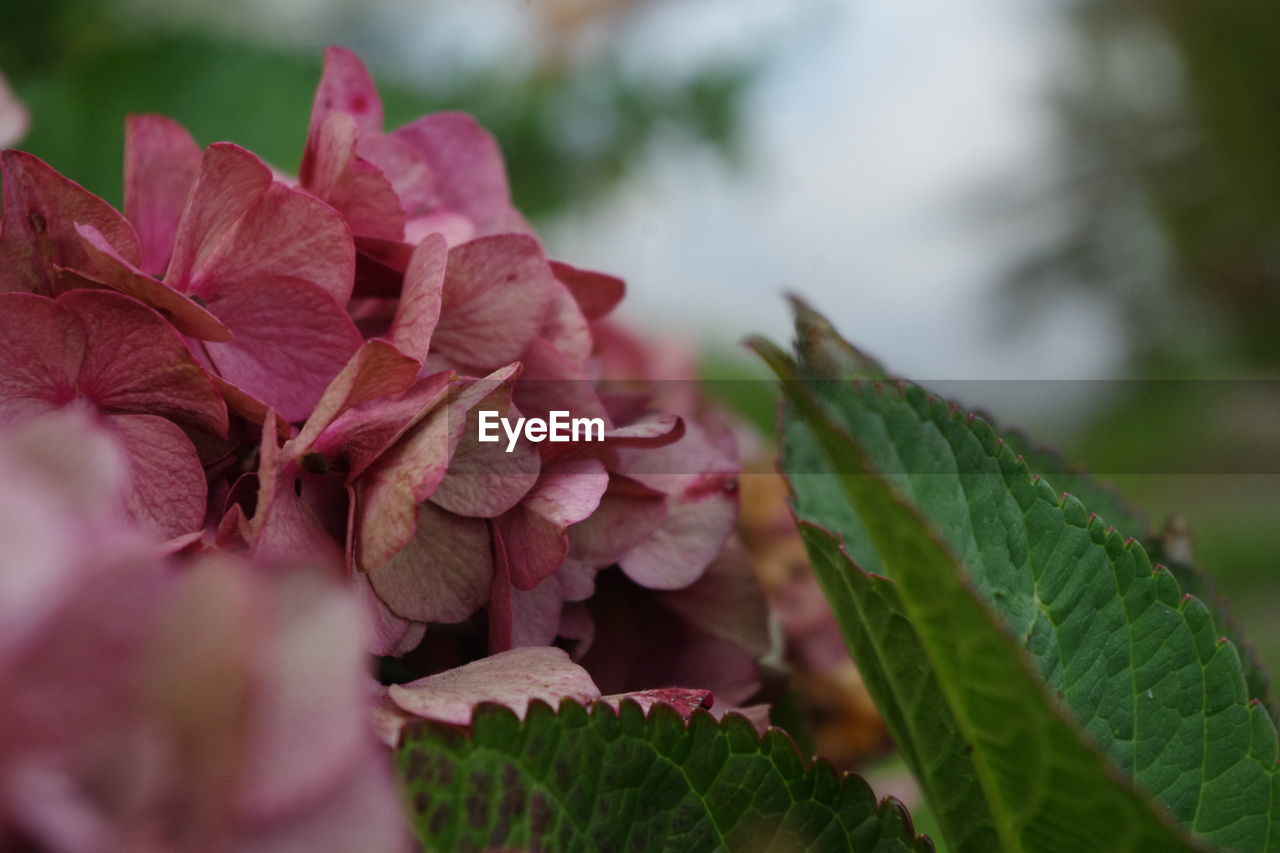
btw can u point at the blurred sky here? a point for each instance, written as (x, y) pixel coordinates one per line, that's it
(875, 137)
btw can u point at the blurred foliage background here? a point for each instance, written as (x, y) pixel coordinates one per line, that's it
(1151, 191)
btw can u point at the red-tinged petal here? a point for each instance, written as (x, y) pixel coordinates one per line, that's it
(484, 480)
(418, 310)
(512, 678)
(108, 269)
(346, 87)
(683, 700)
(467, 166)
(409, 172)
(362, 435)
(44, 346)
(41, 209)
(286, 234)
(154, 374)
(160, 164)
(290, 339)
(230, 181)
(167, 486)
(496, 295)
(296, 521)
(442, 574)
(409, 472)
(628, 513)
(566, 327)
(376, 370)
(352, 185)
(551, 382)
(596, 293)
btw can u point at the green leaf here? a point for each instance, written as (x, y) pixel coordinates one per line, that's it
(1018, 596)
(606, 780)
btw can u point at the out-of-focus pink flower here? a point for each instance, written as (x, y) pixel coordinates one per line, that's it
(67, 352)
(14, 118)
(150, 710)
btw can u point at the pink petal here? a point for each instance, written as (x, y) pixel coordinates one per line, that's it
(496, 294)
(286, 234)
(290, 340)
(566, 327)
(355, 187)
(407, 474)
(167, 483)
(44, 345)
(701, 482)
(628, 514)
(512, 678)
(346, 87)
(41, 209)
(108, 269)
(389, 634)
(160, 164)
(418, 310)
(469, 174)
(230, 181)
(535, 531)
(596, 293)
(726, 602)
(154, 375)
(442, 574)
(376, 370)
(455, 228)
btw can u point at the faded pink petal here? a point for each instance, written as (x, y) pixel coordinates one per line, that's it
(167, 485)
(160, 164)
(468, 170)
(596, 293)
(418, 310)
(41, 210)
(108, 269)
(407, 474)
(535, 531)
(726, 602)
(352, 185)
(389, 634)
(290, 340)
(153, 374)
(346, 87)
(484, 480)
(442, 574)
(496, 294)
(512, 678)
(230, 181)
(14, 118)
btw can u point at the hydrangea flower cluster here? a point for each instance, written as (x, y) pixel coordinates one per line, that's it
(288, 371)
